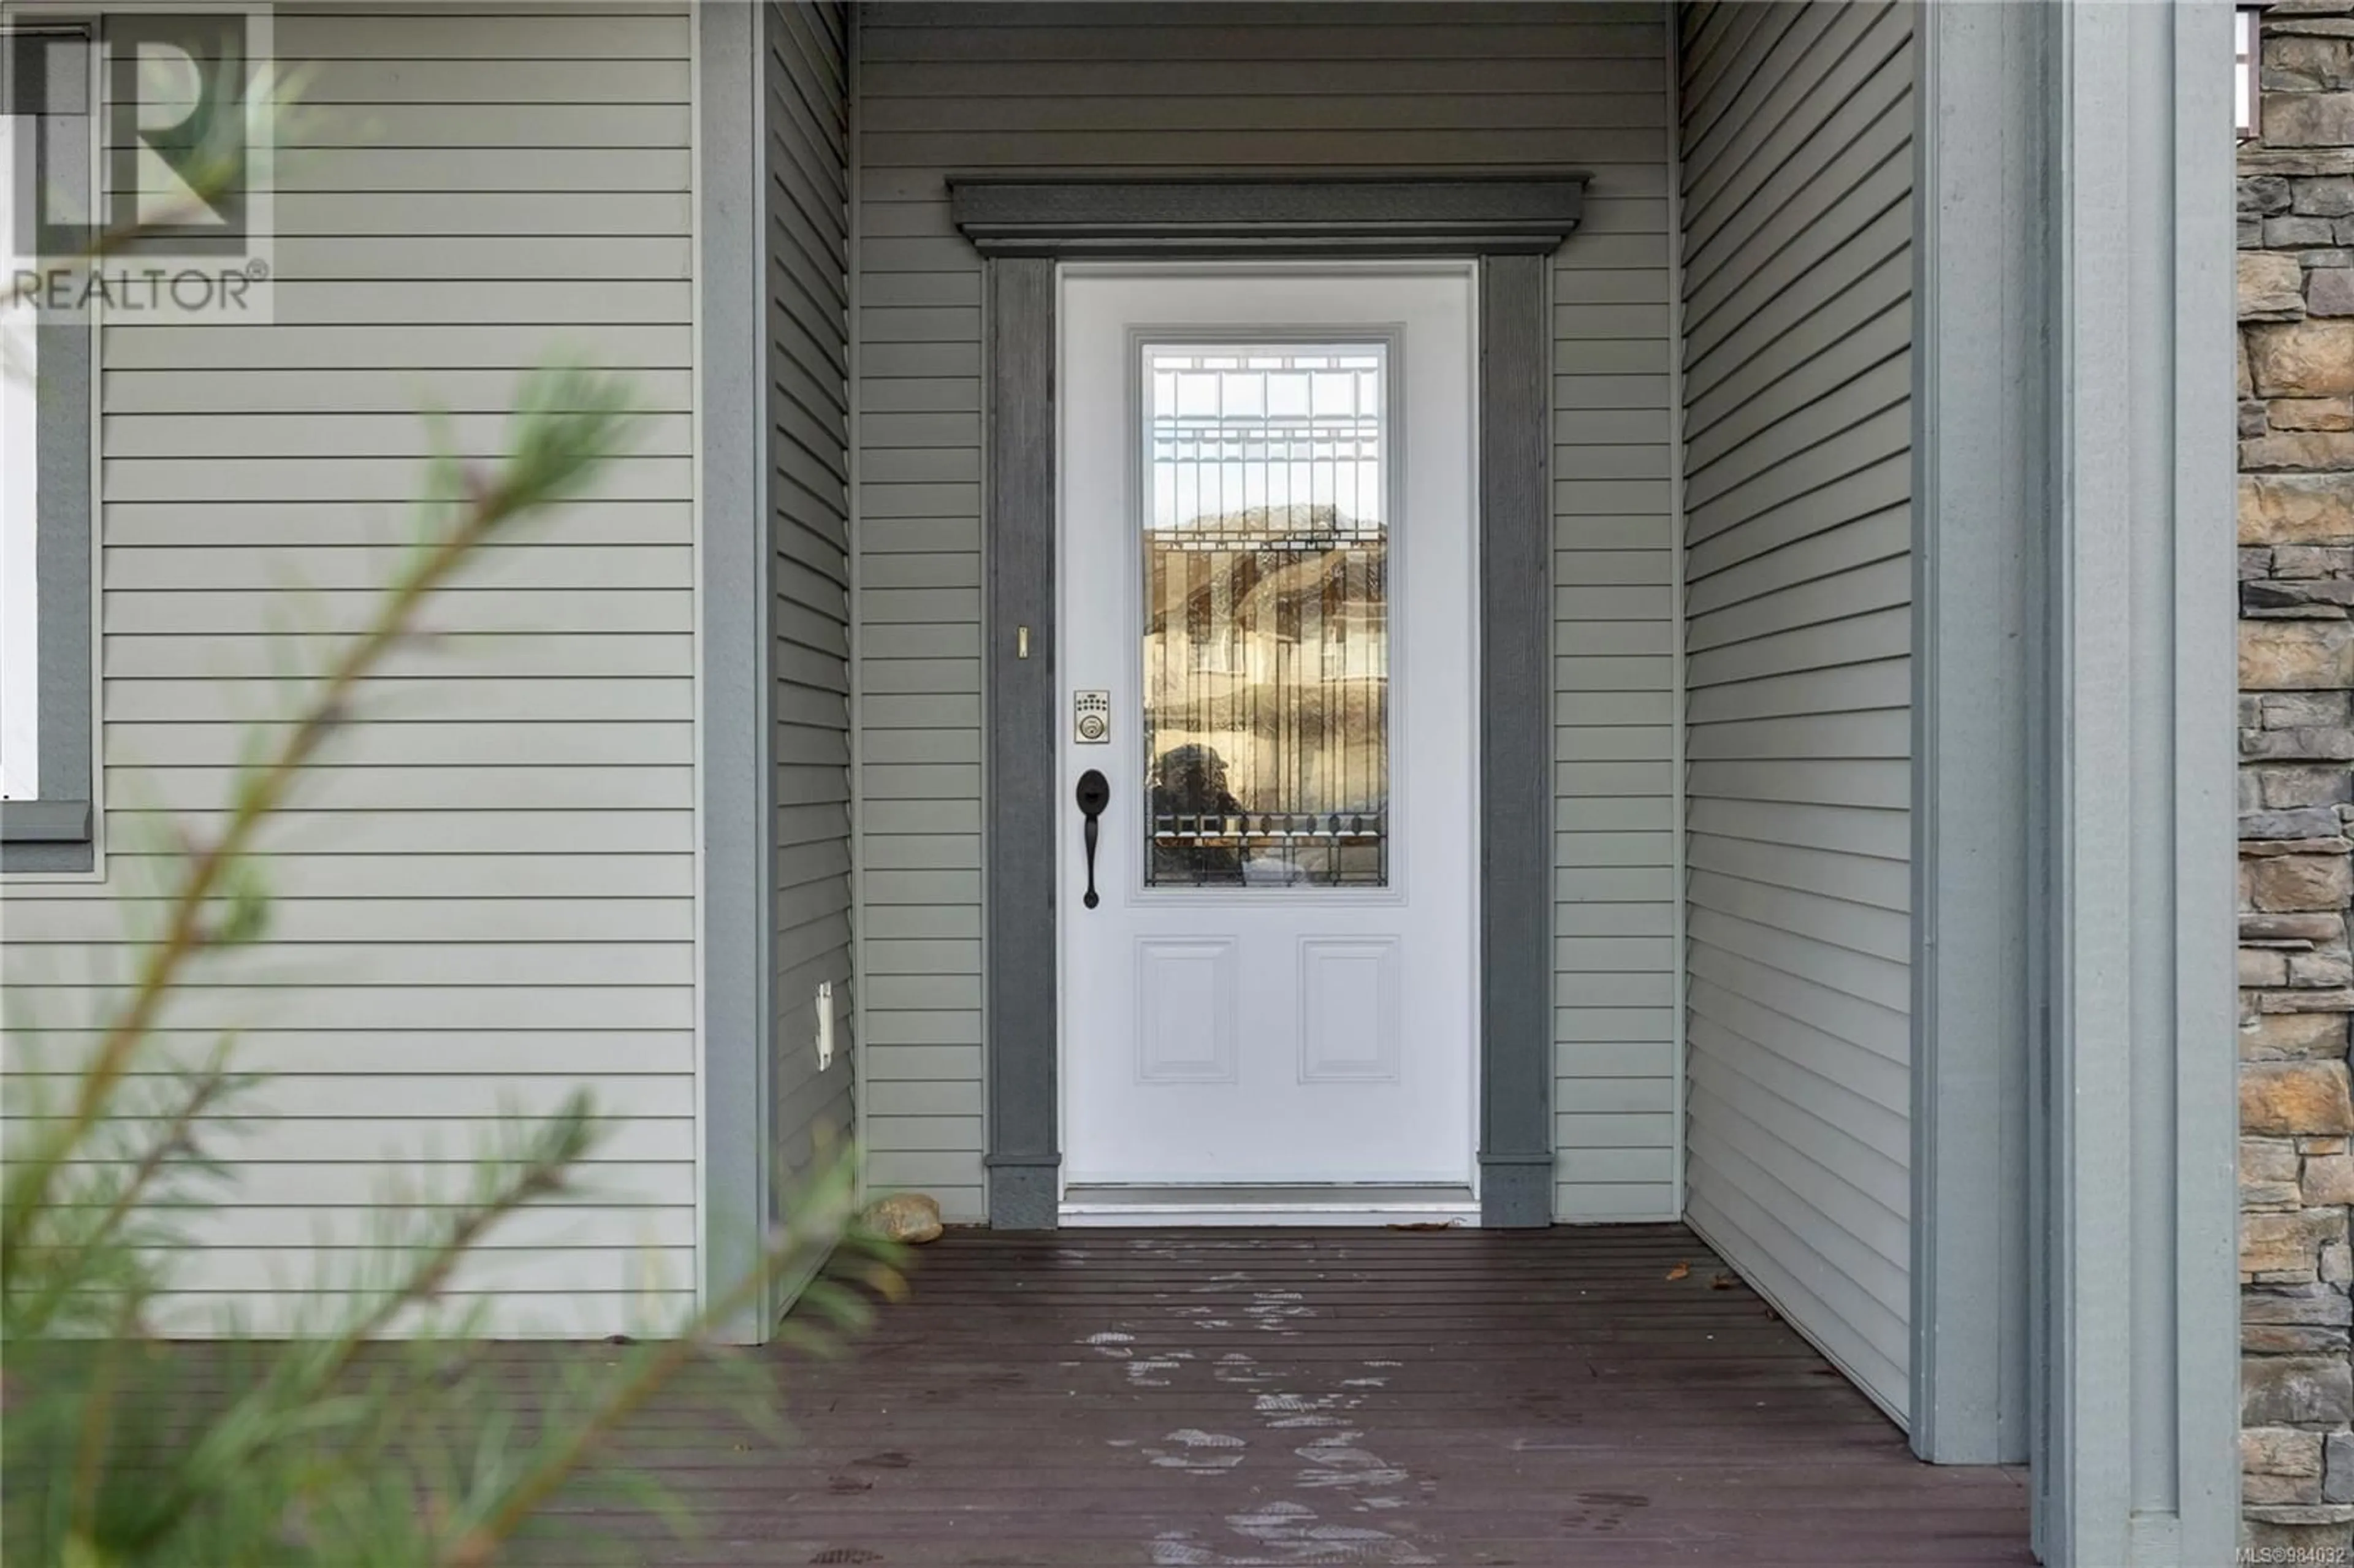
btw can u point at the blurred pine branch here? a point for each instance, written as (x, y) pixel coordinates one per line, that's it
(378, 1432)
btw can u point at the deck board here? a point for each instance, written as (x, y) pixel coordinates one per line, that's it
(1096, 1399)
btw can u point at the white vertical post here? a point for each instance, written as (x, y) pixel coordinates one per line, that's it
(2136, 1456)
(736, 819)
(1979, 453)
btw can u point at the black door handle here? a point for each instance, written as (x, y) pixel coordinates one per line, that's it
(1094, 794)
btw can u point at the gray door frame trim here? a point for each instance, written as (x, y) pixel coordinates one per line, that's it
(1023, 228)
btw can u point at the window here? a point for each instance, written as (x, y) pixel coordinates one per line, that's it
(46, 89)
(20, 610)
(1265, 590)
(2247, 69)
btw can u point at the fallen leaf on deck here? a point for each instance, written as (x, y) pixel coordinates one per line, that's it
(1680, 1271)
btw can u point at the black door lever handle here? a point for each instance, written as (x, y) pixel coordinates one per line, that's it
(1094, 794)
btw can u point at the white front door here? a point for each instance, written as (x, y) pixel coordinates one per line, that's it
(1268, 635)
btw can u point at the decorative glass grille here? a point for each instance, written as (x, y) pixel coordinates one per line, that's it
(1266, 719)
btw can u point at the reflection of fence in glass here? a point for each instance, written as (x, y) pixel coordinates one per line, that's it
(1267, 616)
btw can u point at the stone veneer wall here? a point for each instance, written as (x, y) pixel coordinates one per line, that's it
(2296, 789)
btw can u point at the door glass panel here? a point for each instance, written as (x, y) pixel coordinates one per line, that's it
(1265, 626)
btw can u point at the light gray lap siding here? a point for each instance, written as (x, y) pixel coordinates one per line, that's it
(485, 893)
(808, 81)
(1797, 183)
(1073, 88)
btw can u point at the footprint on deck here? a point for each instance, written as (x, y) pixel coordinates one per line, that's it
(1197, 1451)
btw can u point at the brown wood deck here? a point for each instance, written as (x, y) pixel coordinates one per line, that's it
(1288, 1397)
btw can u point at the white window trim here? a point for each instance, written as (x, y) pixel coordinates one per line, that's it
(48, 569)
(20, 636)
(2248, 70)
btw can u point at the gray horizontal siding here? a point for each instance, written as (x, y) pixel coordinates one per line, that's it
(1796, 198)
(1080, 88)
(808, 81)
(486, 893)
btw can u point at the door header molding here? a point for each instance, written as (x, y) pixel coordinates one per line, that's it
(1375, 216)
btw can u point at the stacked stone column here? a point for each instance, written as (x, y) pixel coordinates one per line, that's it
(2296, 789)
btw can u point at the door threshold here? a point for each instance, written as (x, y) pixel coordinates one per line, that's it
(1305, 1204)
